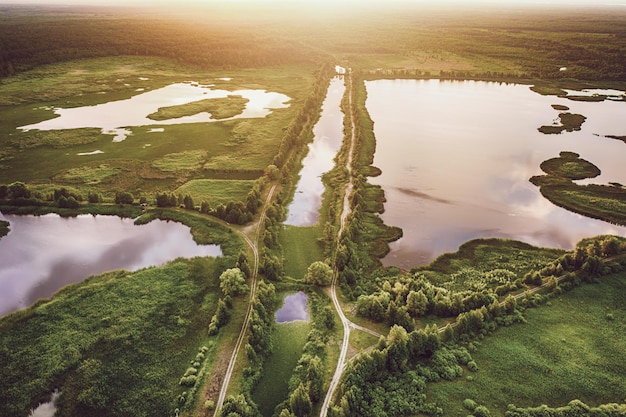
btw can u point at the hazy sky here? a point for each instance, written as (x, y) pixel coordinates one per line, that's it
(320, 2)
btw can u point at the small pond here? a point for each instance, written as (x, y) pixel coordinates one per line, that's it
(115, 116)
(42, 254)
(294, 308)
(456, 157)
(328, 135)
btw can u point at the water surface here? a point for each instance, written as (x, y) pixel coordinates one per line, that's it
(294, 308)
(456, 157)
(328, 135)
(43, 254)
(113, 117)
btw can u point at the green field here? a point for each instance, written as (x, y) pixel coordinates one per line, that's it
(288, 340)
(572, 348)
(216, 192)
(301, 249)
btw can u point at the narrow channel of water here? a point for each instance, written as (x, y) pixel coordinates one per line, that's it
(42, 254)
(456, 157)
(328, 135)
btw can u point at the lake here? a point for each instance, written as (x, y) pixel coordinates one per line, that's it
(42, 254)
(328, 135)
(115, 117)
(456, 157)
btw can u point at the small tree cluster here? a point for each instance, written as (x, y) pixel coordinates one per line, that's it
(259, 343)
(319, 273)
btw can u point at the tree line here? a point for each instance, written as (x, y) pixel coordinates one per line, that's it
(30, 40)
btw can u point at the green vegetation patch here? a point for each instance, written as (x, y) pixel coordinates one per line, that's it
(560, 107)
(572, 348)
(288, 340)
(65, 138)
(479, 256)
(87, 174)
(301, 248)
(569, 122)
(219, 108)
(108, 344)
(604, 202)
(180, 161)
(569, 165)
(5, 227)
(216, 192)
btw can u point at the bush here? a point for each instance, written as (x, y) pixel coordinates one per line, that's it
(469, 404)
(188, 381)
(472, 366)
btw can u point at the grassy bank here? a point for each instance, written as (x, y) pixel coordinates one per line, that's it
(116, 344)
(572, 348)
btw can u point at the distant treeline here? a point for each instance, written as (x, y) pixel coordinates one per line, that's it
(28, 41)
(534, 43)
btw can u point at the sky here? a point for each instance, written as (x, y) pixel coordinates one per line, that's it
(321, 2)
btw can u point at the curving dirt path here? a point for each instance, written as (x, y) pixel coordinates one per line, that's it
(253, 243)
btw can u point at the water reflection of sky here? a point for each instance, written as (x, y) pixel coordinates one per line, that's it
(456, 158)
(111, 117)
(328, 134)
(42, 254)
(294, 308)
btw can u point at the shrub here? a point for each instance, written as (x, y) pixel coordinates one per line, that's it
(469, 404)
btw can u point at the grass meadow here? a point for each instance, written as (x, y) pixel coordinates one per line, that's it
(215, 192)
(301, 249)
(572, 348)
(288, 340)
